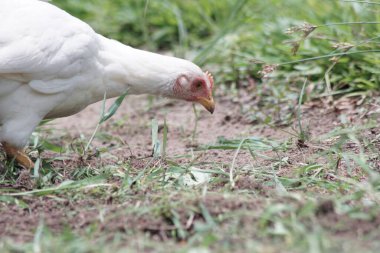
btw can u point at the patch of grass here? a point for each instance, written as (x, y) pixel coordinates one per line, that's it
(232, 34)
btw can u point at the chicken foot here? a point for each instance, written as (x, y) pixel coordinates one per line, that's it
(19, 155)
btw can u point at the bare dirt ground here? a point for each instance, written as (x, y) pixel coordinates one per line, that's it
(129, 140)
(132, 127)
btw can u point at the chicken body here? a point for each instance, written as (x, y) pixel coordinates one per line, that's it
(54, 65)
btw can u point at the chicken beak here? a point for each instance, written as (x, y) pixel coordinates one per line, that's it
(207, 103)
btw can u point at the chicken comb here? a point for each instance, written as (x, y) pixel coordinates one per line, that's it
(210, 78)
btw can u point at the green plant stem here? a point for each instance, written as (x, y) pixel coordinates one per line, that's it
(350, 23)
(232, 181)
(91, 139)
(164, 138)
(329, 56)
(195, 124)
(227, 27)
(302, 134)
(97, 125)
(362, 2)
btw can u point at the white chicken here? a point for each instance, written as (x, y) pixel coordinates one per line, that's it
(54, 65)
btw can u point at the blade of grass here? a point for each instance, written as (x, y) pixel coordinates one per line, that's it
(113, 109)
(227, 27)
(362, 2)
(155, 141)
(98, 181)
(232, 181)
(302, 135)
(193, 136)
(104, 116)
(164, 139)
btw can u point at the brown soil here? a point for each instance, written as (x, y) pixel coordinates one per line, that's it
(131, 126)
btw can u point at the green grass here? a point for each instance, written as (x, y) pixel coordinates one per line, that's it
(291, 192)
(233, 36)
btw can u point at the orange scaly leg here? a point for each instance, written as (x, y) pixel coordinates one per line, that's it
(19, 155)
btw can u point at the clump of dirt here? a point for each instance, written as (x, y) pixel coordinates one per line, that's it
(325, 207)
(345, 226)
(253, 184)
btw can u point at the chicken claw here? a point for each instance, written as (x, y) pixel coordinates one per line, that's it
(19, 155)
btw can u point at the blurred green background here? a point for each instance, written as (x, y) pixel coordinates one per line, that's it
(235, 38)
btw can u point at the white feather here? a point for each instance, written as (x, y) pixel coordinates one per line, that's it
(53, 65)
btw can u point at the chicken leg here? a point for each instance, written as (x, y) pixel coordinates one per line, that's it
(19, 155)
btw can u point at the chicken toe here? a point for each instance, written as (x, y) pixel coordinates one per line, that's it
(19, 155)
